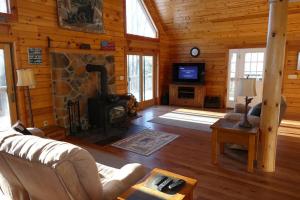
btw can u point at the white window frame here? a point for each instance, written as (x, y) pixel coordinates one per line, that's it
(240, 67)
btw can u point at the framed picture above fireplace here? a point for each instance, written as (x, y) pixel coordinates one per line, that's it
(79, 15)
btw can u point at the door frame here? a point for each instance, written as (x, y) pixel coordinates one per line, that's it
(11, 92)
(145, 104)
(240, 62)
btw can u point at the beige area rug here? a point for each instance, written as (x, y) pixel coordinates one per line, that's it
(188, 118)
(145, 142)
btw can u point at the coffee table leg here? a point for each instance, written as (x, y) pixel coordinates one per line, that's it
(251, 152)
(214, 146)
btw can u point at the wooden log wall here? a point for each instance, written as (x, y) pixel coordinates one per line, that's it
(219, 25)
(37, 20)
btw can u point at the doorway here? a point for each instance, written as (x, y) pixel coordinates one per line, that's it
(8, 111)
(141, 77)
(244, 63)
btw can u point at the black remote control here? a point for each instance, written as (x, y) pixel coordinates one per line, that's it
(164, 185)
(159, 179)
(176, 185)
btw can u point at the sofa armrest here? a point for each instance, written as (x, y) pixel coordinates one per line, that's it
(117, 181)
(37, 132)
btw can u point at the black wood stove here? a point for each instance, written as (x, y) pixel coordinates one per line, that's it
(105, 110)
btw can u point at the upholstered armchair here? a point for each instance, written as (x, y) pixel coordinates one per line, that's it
(36, 168)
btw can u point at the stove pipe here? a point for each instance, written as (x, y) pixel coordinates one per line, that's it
(103, 73)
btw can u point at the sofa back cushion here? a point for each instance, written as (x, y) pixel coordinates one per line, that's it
(49, 169)
(9, 183)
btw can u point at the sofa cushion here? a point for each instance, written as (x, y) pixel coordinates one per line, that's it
(239, 116)
(50, 169)
(256, 110)
(117, 181)
(10, 186)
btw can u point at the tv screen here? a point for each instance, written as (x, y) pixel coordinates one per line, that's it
(189, 73)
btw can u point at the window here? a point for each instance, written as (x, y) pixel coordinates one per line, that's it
(244, 63)
(8, 11)
(138, 21)
(4, 6)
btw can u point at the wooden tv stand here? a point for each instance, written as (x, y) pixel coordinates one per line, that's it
(187, 95)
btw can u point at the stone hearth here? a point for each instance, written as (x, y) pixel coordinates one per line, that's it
(71, 81)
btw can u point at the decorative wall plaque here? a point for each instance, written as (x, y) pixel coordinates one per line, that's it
(81, 15)
(35, 56)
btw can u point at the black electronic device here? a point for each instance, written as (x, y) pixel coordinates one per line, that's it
(159, 179)
(176, 185)
(164, 185)
(189, 73)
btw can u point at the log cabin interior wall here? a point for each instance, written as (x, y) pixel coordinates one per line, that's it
(37, 20)
(213, 26)
(219, 25)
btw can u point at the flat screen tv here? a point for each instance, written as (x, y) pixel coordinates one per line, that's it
(189, 73)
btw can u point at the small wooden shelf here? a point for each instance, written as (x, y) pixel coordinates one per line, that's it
(81, 51)
(54, 132)
(187, 95)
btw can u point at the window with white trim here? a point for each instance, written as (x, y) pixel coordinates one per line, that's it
(244, 63)
(138, 20)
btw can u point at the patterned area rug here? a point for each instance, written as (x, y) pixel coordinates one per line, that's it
(145, 142)
(187, 118)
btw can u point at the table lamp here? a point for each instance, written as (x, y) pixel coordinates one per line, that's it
(246, 88)
(26, 79)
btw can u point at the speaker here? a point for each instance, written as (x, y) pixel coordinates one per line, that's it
(212, 102)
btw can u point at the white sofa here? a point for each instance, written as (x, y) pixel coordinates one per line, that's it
(42, 169)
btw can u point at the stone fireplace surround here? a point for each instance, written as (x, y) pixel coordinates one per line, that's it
(71, 81)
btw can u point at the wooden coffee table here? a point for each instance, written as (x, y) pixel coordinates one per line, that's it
(186, 193)
(228, 131)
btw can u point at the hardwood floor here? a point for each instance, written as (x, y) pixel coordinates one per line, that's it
(190, 155)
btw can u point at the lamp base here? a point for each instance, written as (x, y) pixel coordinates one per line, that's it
(245, 124)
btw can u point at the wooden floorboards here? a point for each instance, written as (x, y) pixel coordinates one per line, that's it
(189, 155)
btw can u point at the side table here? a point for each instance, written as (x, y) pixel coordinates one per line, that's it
(229, 131)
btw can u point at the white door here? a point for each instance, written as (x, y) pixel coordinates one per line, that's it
(7, 95)
(244, 63)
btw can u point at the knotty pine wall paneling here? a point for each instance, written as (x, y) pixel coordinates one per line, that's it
(291, 87)
(218, 25)
(37, 20)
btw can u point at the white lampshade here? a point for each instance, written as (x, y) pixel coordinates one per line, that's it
(26, 77)
(246, 87)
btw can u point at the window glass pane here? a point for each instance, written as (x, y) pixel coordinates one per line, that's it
(231, 95)
(254, 57)
(148, 78)
(3, 6)
(133, 67)
(4, 105)
(248, 57)
(261, 57)
(260, 66)
(137, 20)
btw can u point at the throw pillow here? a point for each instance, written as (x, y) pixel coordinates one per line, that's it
(19, 127)
(256, 110)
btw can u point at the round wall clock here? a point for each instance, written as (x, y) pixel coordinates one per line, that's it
(195, 52)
